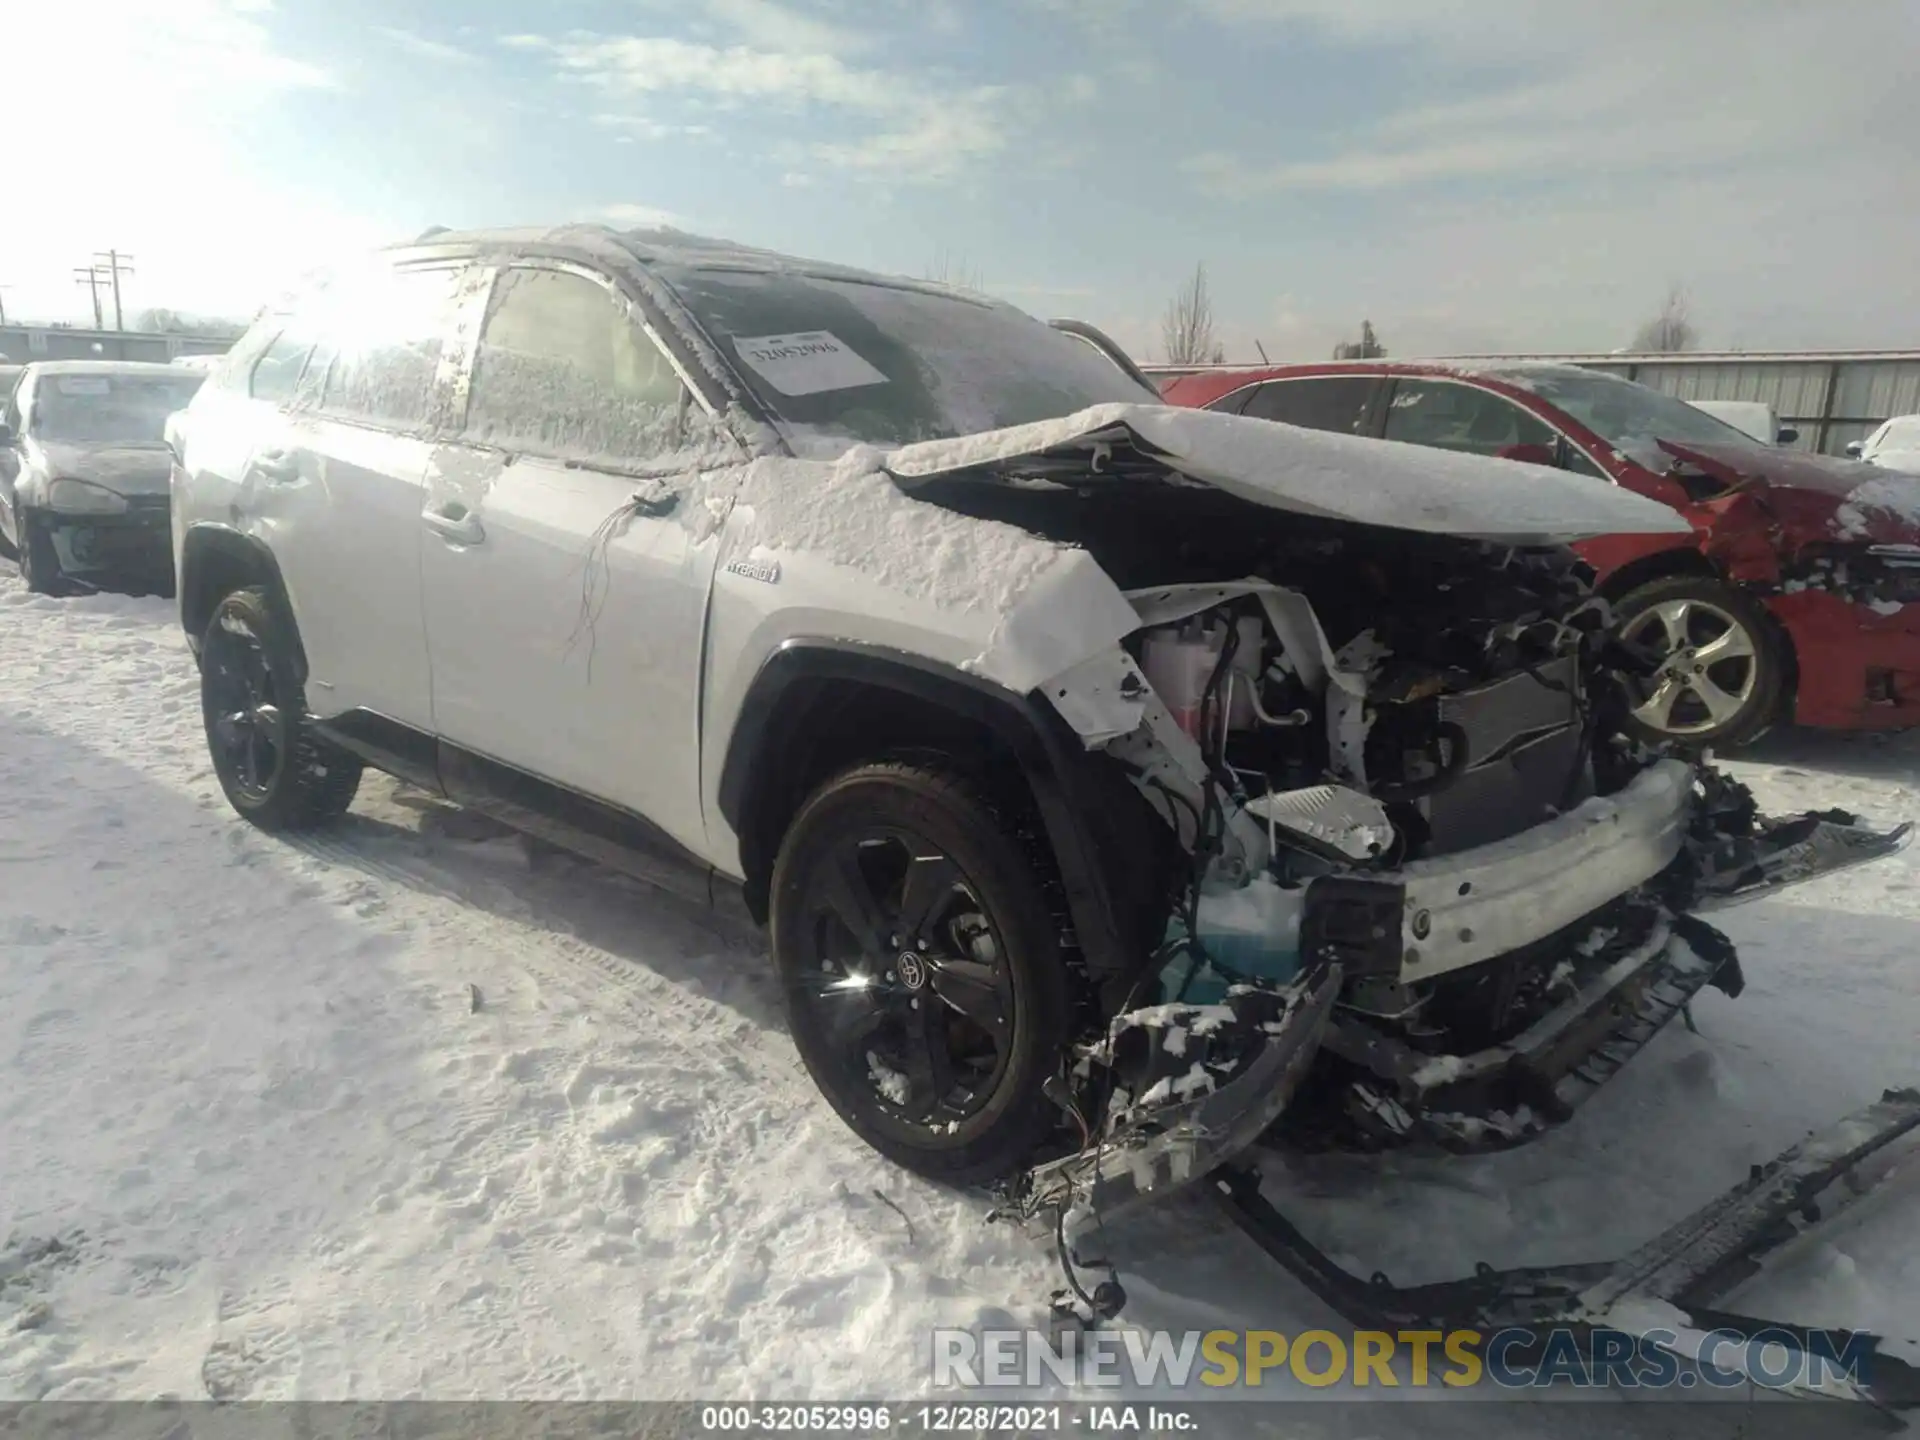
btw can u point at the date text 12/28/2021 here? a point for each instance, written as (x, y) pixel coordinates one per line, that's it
(961, 1419)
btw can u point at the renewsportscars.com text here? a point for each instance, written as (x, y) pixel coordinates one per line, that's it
(1457, 1359)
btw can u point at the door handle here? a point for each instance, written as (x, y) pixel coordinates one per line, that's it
(452, 520)
(276, 467)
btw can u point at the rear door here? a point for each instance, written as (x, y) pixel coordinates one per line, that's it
(566, 587)
(1345, 404)
(1449, 415)
(335, 490)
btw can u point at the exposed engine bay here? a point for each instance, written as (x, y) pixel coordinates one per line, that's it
(1406, 803)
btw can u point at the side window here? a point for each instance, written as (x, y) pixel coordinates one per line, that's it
(1577, 462)
(563, 369)
(1235, 403)
(378, 351)
(277, 372)
(1336, 402)
(1450, 416)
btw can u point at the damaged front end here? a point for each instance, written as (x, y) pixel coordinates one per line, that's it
(1440, 823)
(1419, 883)
(1426, 888)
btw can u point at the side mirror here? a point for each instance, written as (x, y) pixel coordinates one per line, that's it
(1529, 454)
(1854, 447)
(1786, 436)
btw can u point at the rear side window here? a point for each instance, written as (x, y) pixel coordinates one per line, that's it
(380, 338)
(276, 374)
(1334, 403)
(563, 369)
(1448, 416)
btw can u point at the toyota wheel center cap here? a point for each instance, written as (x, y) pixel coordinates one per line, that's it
(911, 969)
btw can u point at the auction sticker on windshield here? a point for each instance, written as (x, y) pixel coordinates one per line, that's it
(82, 385)
(806, 363)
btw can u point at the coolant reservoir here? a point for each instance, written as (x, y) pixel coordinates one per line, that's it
(1248, 933)
(1179, 662)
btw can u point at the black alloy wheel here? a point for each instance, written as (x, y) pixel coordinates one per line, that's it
(921, 967)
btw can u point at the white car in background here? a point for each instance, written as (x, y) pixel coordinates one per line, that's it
(1895, 445)
(1749, 417)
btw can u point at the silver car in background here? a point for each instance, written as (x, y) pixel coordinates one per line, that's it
(85, 471)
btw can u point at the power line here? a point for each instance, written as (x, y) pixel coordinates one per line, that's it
(115, 267)
(88, 276)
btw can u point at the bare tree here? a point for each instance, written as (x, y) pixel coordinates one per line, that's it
(946, 270)
(1672, 329)
(1186, 329)
(1367, 347)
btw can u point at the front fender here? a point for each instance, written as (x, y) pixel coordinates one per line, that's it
(30, 488)
(1076, 798)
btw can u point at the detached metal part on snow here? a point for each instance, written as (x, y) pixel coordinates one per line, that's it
(1675, 1282)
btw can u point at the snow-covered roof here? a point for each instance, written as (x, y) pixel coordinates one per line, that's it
(665, 246)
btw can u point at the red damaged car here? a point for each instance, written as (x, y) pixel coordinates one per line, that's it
(1798, 597)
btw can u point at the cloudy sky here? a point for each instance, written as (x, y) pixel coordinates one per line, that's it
(1469, 174)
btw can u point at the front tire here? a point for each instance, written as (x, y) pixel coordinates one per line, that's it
(276, 773)
(1723, 672)
(922, 968)
(38, 561)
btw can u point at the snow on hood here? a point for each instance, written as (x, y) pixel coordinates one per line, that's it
(1905, 460)
(124, 469)
(1894, 497)
(1874, 502)
(1343, 477)
(1776, 468)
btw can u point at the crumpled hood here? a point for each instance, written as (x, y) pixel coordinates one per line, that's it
(124, 469)
(1855, 500)
(1776, 469)
(1342, 477)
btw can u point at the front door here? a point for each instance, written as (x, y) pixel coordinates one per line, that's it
(566, 580)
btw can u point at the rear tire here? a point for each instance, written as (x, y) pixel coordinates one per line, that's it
(1725, 670)
(275, 771)
(921, 962)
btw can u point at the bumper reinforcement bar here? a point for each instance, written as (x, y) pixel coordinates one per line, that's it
(1678, 1277)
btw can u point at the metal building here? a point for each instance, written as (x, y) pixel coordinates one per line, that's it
(22, 344)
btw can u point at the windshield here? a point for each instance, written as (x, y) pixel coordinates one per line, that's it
(1629, 417)
(109, 409)
(851, 361)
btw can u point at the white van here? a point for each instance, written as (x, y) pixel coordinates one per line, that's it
(1750, 417)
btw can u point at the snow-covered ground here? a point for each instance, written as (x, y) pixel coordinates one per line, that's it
(407, 1111)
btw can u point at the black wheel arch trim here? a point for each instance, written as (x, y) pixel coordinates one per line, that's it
(209, 541)
(1058, 769)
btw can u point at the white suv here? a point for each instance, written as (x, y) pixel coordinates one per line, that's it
(1080, 752)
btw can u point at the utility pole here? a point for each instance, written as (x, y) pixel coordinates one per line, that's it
(116, 267)
(3, 303)
(88, 276)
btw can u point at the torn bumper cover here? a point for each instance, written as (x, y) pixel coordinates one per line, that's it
(137, 544)
(1191, 1087)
